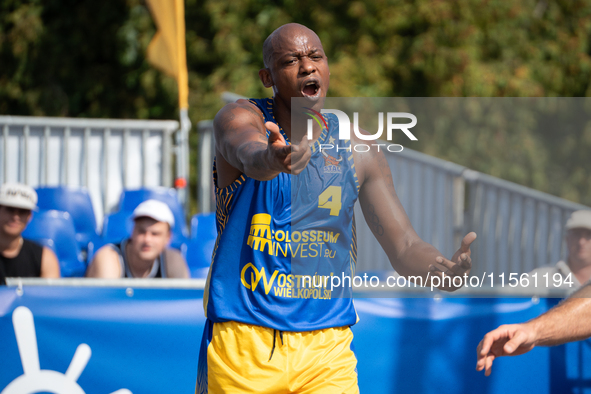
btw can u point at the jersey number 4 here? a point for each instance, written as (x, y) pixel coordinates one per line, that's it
(331, 199)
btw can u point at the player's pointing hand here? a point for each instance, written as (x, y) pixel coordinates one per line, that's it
(278, 152)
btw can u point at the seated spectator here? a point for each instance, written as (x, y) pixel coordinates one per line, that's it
(577, 267)
(20, 257)
(145, 254)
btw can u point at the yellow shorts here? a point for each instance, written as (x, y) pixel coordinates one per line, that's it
(242, 358)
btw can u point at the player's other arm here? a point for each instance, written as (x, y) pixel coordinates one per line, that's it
(240, 134)
(567, 322)
(408, 253)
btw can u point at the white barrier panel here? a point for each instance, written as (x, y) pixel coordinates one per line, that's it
(133, 338)
(103, 155)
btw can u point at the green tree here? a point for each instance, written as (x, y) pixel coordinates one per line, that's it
(87, 59)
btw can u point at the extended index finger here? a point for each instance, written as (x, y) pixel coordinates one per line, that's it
(485, 345)
(305, 140)
(467, 241)
(498, 334)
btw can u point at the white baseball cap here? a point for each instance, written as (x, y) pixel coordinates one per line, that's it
(579, 219)
(17, 195)
(156, 210)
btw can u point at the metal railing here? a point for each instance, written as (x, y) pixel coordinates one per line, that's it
(204, 166)
(103, 155)
(518, 228)
(431, 191)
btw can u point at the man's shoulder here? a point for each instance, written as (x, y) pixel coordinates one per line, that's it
(176, 266)
(561, 268)
(369, 162)
(105, 263)
(107, 253)
(173, 252)
(233, 117)
(549, 269)
(240, 107)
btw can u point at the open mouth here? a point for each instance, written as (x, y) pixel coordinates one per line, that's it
(311, 88)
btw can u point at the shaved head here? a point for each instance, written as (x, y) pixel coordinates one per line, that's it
(282, 33)
(295, 65)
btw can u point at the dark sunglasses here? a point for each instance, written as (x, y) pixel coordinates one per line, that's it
(18, 211)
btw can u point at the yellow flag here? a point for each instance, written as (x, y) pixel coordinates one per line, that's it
(167, 50)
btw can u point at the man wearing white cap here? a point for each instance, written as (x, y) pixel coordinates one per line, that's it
(145, 253)
(20, 257)
(577, 267)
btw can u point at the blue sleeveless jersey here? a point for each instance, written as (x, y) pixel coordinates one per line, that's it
(280, 242)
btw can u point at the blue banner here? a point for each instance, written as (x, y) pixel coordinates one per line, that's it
(116, 340)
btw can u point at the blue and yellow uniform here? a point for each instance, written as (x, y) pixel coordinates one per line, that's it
(269, 288)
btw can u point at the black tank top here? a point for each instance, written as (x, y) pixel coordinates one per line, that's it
(27, 264)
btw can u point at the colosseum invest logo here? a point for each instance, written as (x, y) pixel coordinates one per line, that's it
(260, 233)
(310, 243)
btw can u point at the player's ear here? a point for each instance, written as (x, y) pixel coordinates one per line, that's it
(266, 78)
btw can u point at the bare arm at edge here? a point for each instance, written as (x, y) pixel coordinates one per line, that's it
(567, 322)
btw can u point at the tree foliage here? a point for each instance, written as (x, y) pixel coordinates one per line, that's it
(87, 59)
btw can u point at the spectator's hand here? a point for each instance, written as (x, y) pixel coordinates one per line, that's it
(507, 340)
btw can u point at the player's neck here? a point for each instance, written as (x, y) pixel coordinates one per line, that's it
(286, 118)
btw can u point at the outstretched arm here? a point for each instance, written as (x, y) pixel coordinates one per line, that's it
(567, 322)
(240, 133)
(408, 253)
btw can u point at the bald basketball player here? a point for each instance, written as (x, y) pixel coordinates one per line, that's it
(285, 209)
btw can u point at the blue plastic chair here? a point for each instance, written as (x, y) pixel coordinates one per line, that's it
(130, 199)
(203, 225)
(77, 203)
(116, 227)
(93, 247)
(198, 250)
(55, 229)
(197, 254)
